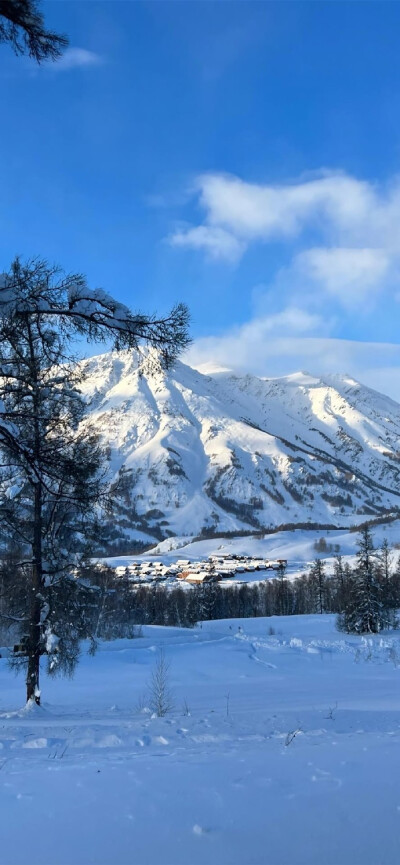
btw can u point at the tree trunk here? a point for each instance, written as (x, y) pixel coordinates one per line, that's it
(34, 637)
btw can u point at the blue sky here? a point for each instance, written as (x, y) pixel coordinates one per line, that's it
(242, 157)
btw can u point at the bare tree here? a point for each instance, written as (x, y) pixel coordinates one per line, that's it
(22, 26)
(161, 699)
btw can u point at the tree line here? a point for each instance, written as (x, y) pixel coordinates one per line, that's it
(364, 597)
(95, 604)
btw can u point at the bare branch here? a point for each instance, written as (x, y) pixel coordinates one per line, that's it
(24, 28)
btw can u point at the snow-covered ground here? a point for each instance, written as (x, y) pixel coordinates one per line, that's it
(90, 779)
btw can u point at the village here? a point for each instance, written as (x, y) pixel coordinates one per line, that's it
(215, 568)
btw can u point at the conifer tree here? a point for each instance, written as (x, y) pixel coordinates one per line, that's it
(283, 598)
(364, 610)
(385, 565)
(317, 575)
(388, 583)
(49, 480)
(341, 581)
(51, 461)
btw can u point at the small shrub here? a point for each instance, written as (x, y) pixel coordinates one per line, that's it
(160, 695)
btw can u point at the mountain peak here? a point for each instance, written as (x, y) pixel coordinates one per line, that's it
(202, 451)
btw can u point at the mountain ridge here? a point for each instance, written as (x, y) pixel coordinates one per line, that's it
(194, 453)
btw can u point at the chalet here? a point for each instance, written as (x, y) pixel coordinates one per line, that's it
(198, 577)
(275, 564)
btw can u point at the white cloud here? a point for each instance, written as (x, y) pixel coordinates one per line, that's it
(215, 241)
(288, 322)
(251, 346)
(334, 203)
(77, 58)
(256, 211)
(344, 238)
(357, 224)
(261, 347)
(350, 275)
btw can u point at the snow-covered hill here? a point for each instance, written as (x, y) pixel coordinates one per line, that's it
(196, 453)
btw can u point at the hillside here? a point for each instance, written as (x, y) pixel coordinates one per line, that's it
(196, 454)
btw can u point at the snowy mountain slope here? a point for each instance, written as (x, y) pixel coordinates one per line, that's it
(194, 453)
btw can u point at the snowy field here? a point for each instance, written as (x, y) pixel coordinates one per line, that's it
(91, 778)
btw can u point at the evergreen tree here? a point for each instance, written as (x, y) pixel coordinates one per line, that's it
(340, 581)
(364, 610)
(50, 473)
(395, 586)
(385, 557)
(50, 479)
(385, 567)
(283, 594)
(388, 583)
(206, 596)
(317, 577)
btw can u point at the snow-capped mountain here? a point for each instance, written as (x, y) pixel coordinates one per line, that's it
(195, 453)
